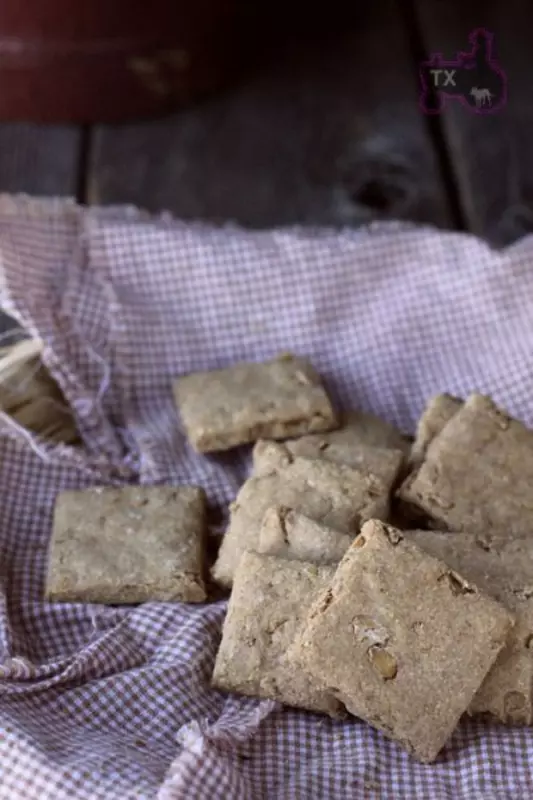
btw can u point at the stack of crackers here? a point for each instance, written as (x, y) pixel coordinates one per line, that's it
(370, 575)
(31, 397)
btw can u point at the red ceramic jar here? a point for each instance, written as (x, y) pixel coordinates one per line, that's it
(109, 60)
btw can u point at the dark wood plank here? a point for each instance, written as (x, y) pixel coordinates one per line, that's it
(330, 133)
(39, 159)
(491, 154)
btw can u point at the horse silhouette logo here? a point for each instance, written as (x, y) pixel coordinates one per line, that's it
(473, 78)
(481, 96)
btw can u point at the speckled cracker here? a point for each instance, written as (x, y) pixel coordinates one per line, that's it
(269, 599)
(380, 462)
(402, 640)
(357, 429)
(362, 441)
(250, 401)
(438, 412)
(333, 494)
(503, 568)
(269, 456)
(128, 545)
(477, 473)
(287, 534)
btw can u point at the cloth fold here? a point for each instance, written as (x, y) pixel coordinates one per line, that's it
(109, 703)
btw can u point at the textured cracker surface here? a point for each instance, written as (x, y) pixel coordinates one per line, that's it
(503, 568)
(401, 640)
(287, 534)
(276, 399)
(269, 599)
(477, 473)
(437, 413)
(333, 494)
(381, 462)
(128, 545)
(359, 429)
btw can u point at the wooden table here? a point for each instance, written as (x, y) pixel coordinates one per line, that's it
(329, 132)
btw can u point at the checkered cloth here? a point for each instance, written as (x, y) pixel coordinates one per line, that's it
(108, 703)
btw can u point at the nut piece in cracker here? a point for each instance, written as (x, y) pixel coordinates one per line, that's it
(503, 568)
(438, 412)
(128, 545)
(249, 401)
(332, 494)
(269, 599)
(477, 473)
(287, 534)
(402, 640)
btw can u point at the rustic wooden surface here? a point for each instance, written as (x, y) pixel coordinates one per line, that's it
(328, 132)
(40, 160)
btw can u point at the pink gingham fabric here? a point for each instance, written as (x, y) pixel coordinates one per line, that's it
(103, 703)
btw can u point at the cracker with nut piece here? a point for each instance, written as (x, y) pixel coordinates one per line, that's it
(401, 640)
(503, 569)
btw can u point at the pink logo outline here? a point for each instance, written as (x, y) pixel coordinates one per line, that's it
(436, 60)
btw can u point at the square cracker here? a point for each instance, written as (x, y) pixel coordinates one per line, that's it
(333, 494)
(128, 545)
(287, 534)
(402, 640)
(249, 401)
(477, 473)
(269, 599)
(503, 568)
(437, 413)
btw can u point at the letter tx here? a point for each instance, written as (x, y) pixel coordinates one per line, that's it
(449, 79)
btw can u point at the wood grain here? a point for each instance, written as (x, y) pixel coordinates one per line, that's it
(39, 159)
(328, 133)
